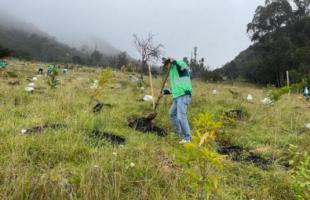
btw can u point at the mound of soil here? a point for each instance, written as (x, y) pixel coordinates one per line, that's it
(15, 82)
(97, 108)
(37, 129)
(234, 152)
(145, 125)
(235, 114)
(258, 160)
(114, 139)
(239, 154)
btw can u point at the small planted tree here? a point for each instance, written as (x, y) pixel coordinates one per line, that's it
(52, 77)
(106, 77)
(300, 173)
(129, 68)
(200, 158)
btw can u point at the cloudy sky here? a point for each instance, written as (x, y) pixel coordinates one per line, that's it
(216, 27)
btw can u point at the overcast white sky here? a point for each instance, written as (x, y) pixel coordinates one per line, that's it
(217, 27)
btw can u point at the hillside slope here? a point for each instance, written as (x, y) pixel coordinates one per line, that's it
(68, 162)
(27, 41)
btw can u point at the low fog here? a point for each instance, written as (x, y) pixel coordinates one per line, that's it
(217, 28)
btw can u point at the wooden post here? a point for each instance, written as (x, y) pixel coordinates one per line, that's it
(151, 83)
(288, 78)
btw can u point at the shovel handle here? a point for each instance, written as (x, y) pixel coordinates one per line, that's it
(161, 90)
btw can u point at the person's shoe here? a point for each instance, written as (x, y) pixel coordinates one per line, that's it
(184, 141)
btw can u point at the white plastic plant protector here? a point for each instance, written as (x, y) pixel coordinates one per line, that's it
(29, 89)
(95, 85)
(31, 85)
(147, 98)
(266, 101)
(34, 78)
(214, 92)
(134, 79)
(308, 126)
(249, 97)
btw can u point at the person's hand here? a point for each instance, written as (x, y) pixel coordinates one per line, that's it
(160, 95)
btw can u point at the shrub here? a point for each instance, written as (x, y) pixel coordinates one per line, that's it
(301, 173)
(52, 81)
(200, 158)
(106, 77)
(276, 94)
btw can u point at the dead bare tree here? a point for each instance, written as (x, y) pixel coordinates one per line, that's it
(147, 50)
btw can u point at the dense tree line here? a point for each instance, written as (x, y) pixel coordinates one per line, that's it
(280, 31)
(4, 52)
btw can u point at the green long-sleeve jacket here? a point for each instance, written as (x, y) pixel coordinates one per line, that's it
(179, 79)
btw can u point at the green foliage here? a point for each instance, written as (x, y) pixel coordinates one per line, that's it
(141, 83)
(4, 52)
(129, 68)
(306, 81)
(280, 32)
(106, 77)
(206, 123)
(212, 76)
(200, 157)
(276, 94)
(236, 95)
(3, 64)
(122, 60)
(96, 58)
(52, 78)
(301, 173)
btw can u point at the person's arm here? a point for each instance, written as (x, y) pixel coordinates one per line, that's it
(166, 90)
(165, 85)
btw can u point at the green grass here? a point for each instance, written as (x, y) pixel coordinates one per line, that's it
(68, 164)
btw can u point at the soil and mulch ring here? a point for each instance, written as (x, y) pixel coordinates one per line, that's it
(146, 126)
(236, 114)
(97, 108)
(14, 82)
(38, 129)
(114, 139)
(239, 154)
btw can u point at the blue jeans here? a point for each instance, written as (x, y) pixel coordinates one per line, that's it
(178, 116)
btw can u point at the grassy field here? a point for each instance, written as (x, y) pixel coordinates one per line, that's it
(67, 163)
